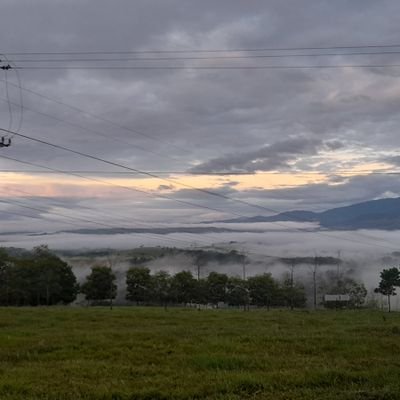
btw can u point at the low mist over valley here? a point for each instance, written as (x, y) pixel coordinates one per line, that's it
(358, 254)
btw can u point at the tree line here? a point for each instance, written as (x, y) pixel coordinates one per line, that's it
(41, 278)
(162, 288)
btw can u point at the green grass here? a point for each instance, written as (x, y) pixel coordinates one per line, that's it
(147, 353)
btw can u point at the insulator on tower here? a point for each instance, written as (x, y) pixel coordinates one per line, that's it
(5, 141)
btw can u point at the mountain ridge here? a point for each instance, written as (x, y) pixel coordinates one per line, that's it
(373, 214)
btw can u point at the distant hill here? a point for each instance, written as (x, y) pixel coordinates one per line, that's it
(376, 214)
(155, 230)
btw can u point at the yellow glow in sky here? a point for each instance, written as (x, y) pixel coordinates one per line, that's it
(60, 185)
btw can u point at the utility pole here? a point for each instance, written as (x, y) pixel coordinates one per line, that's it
(244, 264)
(244, 276)
(339, 261)
(314, 277)
(110, 263)
(292, 267)
(198, 269)
(5, 141)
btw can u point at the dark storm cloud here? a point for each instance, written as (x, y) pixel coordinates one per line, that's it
(270, 157)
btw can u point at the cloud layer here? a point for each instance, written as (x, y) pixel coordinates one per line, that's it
(335, 130)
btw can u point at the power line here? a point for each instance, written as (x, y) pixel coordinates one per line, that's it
(70, 223)
(41, 217)
(130, 188)
(37, 217)
(101, 118)
(123, 217)
(11, 65)
(229, 57)
(142, 191)
(155, 176)
(256, 205)
(102, 224)
(213, 67)
(115, 164)
(48, 212)
(233, 50)
(205, 191)
(57, 205)
(17, 204)
(202, 173)
(95, 132)
(130, 173)
(176, 200)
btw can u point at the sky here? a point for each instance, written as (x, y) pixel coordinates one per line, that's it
(283, 139)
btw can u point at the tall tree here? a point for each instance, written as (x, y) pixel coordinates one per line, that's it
(217, 285)
(184, 287)
(263, 290)
(100, 284)
(237, 292)
(358, 293)
(293, 294)
(161, 284)
(390, 278)
(55, 279)
(139, 284)
(5, 265)
(39, 278)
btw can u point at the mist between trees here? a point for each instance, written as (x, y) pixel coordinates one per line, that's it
(40, 277)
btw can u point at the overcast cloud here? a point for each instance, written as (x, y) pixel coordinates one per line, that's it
(303, 121)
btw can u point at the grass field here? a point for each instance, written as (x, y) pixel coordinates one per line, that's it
(149, 353)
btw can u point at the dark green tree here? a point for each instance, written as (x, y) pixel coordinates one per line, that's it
(100, 284)
(22, 281)
(292, 294)
(201, 292)
(5, 266)
(358, 294)
(390, 278)
(184, 287)
(39, 278)
(216, 287)
(161, 284)
(55, 280)
(237, 292)
(139, 285)
(264, 290)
